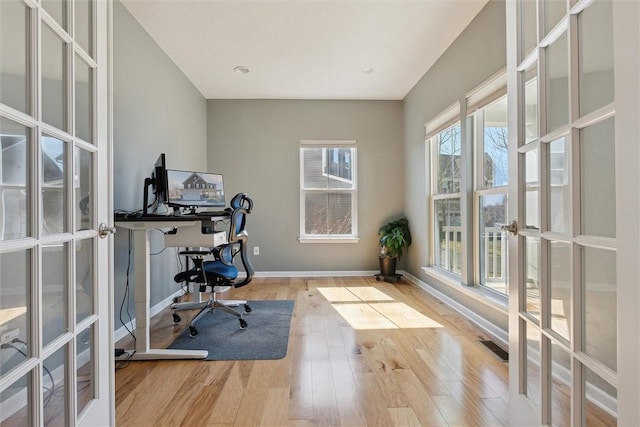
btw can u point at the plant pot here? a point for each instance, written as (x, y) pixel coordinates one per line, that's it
(388, 265)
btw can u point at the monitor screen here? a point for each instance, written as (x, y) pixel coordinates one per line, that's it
(195, 189)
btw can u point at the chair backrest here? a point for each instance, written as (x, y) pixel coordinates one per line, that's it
(241, 206)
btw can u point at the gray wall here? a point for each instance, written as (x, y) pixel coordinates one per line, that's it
(255, 144)
(156, 110)
(478, 53)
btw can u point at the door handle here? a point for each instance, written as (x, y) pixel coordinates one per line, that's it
(104, 230)
(511, 228)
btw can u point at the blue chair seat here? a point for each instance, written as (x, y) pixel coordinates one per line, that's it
(218, 268)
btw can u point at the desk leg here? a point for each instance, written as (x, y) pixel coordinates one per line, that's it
(142, 303)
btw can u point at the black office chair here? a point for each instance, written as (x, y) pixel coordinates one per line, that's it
(220, 274)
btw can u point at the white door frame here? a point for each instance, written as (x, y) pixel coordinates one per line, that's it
(102, 410)
(75, 365)
(626, 42)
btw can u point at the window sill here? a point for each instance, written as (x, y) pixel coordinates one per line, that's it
(490, 298)
(325, 239)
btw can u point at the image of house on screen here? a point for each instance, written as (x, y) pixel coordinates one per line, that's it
(197, 187)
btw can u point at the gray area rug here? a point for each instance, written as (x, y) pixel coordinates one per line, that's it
(265, 338)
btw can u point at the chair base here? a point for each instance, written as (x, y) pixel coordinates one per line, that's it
(209, 306)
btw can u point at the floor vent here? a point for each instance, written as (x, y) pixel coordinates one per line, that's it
(495, 349)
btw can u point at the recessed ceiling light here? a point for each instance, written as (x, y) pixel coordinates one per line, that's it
(241, 69)
(367, 70)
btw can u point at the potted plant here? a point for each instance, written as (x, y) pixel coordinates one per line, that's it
(395, 237)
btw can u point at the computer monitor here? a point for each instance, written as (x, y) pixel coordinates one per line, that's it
(158, 182)
(190, 189)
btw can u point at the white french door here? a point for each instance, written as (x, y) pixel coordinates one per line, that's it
(56, 358)
(565, 252)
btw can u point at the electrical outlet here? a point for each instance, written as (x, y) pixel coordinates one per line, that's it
(8, 336)
(256, 250)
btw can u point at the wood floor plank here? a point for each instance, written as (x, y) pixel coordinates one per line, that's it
(403, 417)
(346, 389)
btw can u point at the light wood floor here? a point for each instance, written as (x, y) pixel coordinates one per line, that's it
(419, 363)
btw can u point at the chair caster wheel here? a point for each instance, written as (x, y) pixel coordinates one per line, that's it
(193, 331)
(247, 309)
(176, 318)
(243, 324)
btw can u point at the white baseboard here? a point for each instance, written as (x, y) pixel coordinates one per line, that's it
(346, 273)
(494, 331)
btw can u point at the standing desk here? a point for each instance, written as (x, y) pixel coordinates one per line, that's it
(188, 233)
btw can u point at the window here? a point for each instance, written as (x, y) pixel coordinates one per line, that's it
(447, 245)
(490, 144)
(469, 183)
(328, 191)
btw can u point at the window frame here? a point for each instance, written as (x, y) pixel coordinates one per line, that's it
(475, 115)
(329, 238)
(436, 195)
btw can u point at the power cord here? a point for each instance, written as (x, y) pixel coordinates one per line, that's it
(11, 345)
(125, 300)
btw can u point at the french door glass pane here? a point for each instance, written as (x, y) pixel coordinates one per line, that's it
(84, 24)
(84, 363)
(15, 307)
(15, 194)
(595, 27)
(554, 10)
(559, 196)
(532, 195)
(495, 165)
(55, 393)
(54, 206)
(84, 278)
(533, 375)
(557, 84)
(600, 401)
(83, 183)
(83, 99)
(54, 288)
(529, 28)
(53, 72)
(560, 386)
(597, 179)
(600, 309)
(58, 11)
(493, 243)
(532, 275)
(448, 242)
(448, 160)
(13, 45)
(530, 95)
(560, 278)
(18, 403)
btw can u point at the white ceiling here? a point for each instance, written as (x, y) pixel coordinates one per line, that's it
(300, 49)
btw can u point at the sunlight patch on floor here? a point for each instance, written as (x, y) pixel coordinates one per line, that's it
(369, 308)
